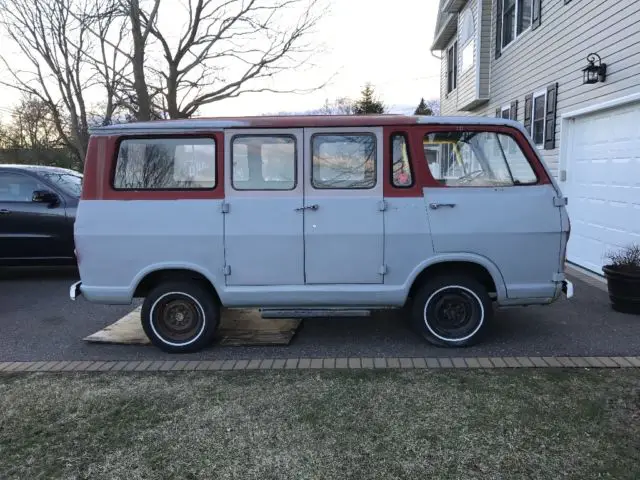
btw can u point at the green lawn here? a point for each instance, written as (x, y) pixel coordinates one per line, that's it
(454, 424)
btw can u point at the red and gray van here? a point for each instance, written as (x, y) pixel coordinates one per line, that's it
(447, 217)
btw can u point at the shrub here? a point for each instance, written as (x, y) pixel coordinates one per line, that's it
(627, 258)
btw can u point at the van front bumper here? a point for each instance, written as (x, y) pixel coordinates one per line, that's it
(74, 290)
(567, 288)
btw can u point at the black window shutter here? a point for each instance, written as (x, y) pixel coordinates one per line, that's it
(498, 113)
(536, 15)
(513, 112)
(550, 117)
(498, 27)
(528, 111)
(449, 70)
(455, 64)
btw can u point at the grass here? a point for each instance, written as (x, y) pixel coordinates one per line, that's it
(532, 424)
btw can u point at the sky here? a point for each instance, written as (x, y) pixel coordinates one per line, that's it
(385, 43)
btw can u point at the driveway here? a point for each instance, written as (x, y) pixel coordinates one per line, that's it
(39, 322)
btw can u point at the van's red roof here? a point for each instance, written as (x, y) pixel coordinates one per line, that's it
(292, 121)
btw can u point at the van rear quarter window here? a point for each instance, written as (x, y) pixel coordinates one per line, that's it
(401, 172)
(477, 159)
(165, 164)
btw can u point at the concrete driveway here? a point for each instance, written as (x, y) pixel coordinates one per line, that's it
(38, 322)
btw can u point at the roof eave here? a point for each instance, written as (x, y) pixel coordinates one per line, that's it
(445, 34)
(453, 6)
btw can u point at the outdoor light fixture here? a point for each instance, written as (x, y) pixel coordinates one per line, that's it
(594, 73)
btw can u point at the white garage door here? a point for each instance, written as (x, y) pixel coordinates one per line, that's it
(603, 183)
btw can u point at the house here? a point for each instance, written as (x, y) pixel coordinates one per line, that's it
(524, 60)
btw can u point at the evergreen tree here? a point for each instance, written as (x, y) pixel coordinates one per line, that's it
(368, 103)
(423, 108)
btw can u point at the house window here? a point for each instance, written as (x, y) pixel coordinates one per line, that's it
(525, 13)
(452, 67)
(466, 39)
(505, 112)
(516, 19)
(538, 117)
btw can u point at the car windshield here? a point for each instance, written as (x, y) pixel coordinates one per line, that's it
(70, 183)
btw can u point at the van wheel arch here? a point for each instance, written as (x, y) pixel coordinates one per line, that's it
(465, 268)
(155, 278)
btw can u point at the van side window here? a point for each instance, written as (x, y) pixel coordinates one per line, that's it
(263, 162)
(476, 159)
(345, 161)
(400, 162)
(165, 164)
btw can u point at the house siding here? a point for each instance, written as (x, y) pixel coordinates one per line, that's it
(556, 52)
(486, 46)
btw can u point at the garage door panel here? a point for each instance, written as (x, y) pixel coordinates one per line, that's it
(587, 229)
(602, 194)
(633, 221)
(590, 254)
(603, 183)
(607, 236)
(590, 173)
(607, 213)
(619, 149)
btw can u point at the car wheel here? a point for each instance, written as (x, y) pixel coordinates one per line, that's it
(452, 311)
(180, 317)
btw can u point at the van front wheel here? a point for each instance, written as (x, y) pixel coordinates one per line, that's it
(452, 310)
(180, 316)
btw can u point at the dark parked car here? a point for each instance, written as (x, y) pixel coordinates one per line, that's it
(37, 210)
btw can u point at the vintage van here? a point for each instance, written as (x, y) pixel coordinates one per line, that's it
(319, 215)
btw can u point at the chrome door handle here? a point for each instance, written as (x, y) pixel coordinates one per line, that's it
(435, 206)
(4, 211)
(315, 206)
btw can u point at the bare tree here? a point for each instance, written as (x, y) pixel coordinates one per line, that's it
(340, 106)
(32, 126)
(226, 48)
(111, 58)
(140, 33)
(434, 106)
(4, 136)
(54, 38)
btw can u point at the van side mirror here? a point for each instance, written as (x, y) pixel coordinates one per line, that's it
(45, 196)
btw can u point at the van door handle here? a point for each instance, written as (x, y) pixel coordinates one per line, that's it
(435, 206)
(4, 211)
(315, 206)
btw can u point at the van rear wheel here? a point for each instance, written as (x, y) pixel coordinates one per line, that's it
(180, 316)
(452, 310)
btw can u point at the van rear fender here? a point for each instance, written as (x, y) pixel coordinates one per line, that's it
(153, 274)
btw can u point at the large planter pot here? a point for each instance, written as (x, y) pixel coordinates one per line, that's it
(624, 288)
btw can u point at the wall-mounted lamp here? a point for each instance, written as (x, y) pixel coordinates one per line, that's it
(594, 73)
